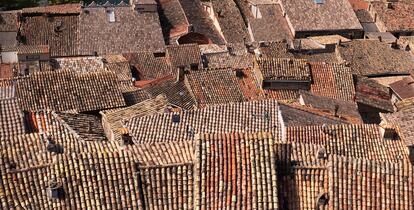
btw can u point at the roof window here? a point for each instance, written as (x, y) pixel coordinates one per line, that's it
(319, 1)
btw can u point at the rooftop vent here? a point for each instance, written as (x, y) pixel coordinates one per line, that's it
(53, 147)
(175, 118)
(55, 191)
(126, 140)
(322, 154)
(59, 26)
(322, 200)
(239, 73)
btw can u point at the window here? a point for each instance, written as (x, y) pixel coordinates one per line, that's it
(111, 15)
(319, 1)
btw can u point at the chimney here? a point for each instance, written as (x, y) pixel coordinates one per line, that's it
(55, 191)
(390, 5)
(380, 38)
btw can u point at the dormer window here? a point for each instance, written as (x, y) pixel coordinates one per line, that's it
(319, 1)
(111, 15)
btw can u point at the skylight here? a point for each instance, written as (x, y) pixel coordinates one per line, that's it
(319, 1)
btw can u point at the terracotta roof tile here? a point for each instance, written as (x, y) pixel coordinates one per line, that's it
(332, 80)
(250, 116)
(356, 141)
(397, 18)
(403, 88)
(371, 57)
(236, 171)
(403, 120)
(225, 60)
(114, 120)
(284, 69)
(11, 118)
(7, 88)
(59, 32)
(173, 19)
(163, 153)
(282, 94)
(168, 187)
(135, 96)
(184, 55)
(329, 16)
(368, 184)
(177, 93)
(148, 66)
(54, 9)
(65, 90)
(223, 86)
(345, 108)
(371, 93)
(199, 19)
(230, 20)
(9, 21)
(295, 115)
(272, 26)
(275, 50)
(131, 31)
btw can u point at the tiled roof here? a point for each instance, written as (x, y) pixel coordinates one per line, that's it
(113, 120)
(163, 153)
(364, 16)
(6, 71)
(294, 115)
(184, 55)
(230, 20)
(370, 57)
(398, 18)
(54, 9)
(72, 139)
(168, 187)
(177, 93)
(371, 93)
(199, 19)
(332, 80)
(80, 64)
(345, 108)
(327, 57)
(302, 188)
(9, 21)
(120, 66)
(241, 117)
(104, 180)
(275, 50)
(404, 121)
(235, 171)
(272, 26)
(172, 17)
(7, 88)
(281, 94)
(357, 141)
(284, 69)
(11, 118)
(331, 15)
(131, 31)
(86, 127)
(225, 60)
(61, 33)
(65, 90)
(223, 86)
(32, 49)
(135, 96)
(403, 88)
(148, 66)
(356, 184)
